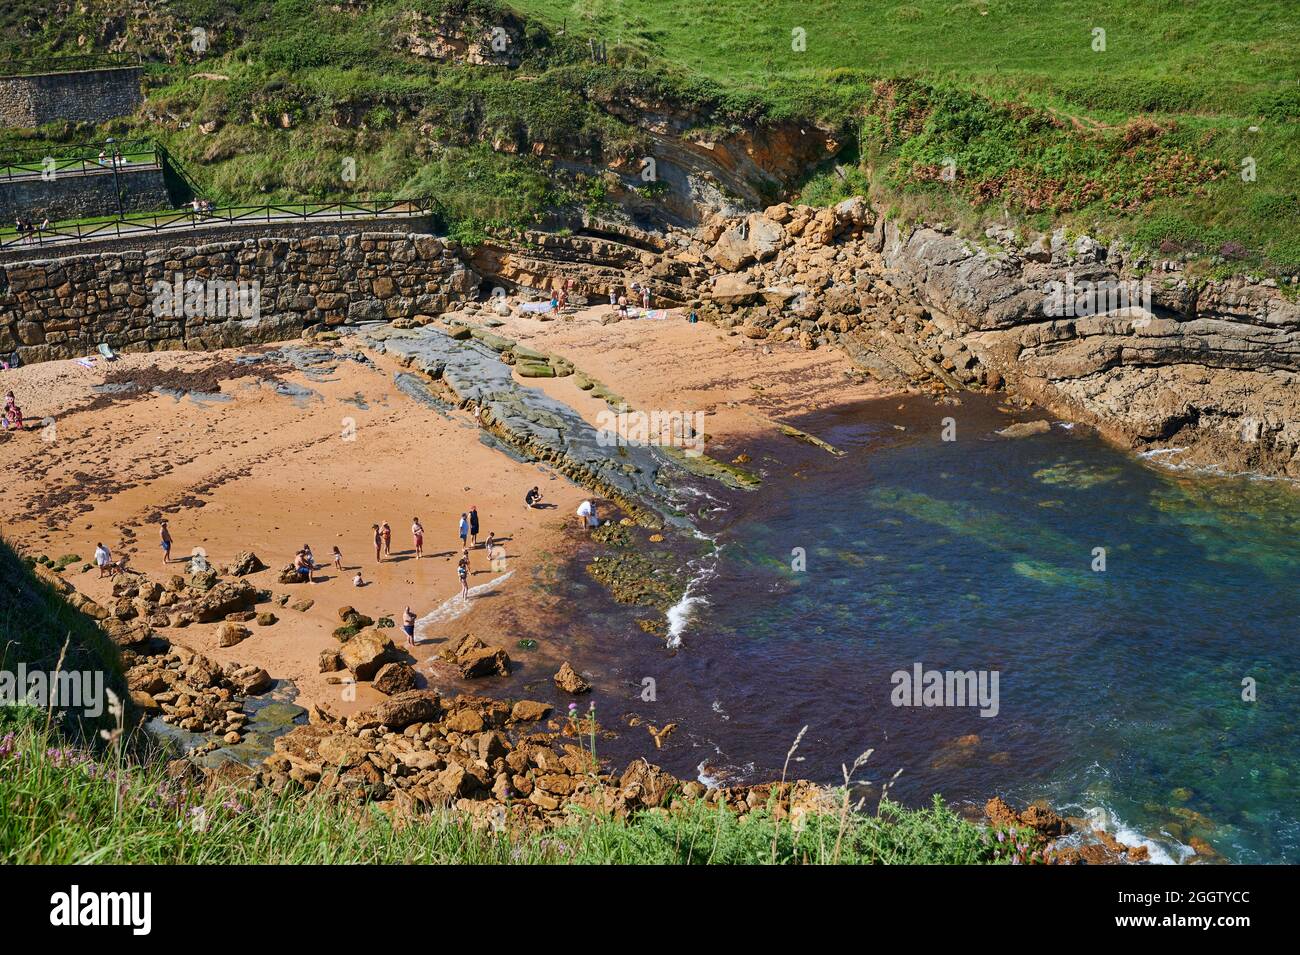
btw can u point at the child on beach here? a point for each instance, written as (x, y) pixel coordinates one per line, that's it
(473, 525)
(417, 533)
(338, 559)
(462, 571)
(386, 533)
(408, 626)
(464, 529)
(379, 543)
(166, 537)
(13, 415)
(358, 581)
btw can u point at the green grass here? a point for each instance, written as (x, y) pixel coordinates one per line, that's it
(73, 805)
(1145, 139)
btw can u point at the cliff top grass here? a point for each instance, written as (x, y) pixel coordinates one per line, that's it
(1168, 122)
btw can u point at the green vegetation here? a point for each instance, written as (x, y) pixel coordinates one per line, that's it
(67, 804)
(1146, 138)
(1016, 111)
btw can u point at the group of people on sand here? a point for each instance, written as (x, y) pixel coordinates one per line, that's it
(623, 301)
(13, 415)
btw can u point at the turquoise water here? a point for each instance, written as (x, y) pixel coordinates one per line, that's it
(1120, 690)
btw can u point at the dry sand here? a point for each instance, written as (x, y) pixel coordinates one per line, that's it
(268, 471)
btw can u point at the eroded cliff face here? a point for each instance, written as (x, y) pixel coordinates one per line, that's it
(1167, 362)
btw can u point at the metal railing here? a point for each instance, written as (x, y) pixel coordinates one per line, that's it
(55, 63)
(135, 225)
(80, 159)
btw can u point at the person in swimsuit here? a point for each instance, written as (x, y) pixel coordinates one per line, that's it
(464, 529)
(166, 537)
(386, 533)
(303, 565)
(462, 571)
(417, 532)
(408, 626)
(473, 526)
(338, 559)
(379, 543)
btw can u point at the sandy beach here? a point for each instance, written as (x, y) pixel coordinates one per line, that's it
(258, 455)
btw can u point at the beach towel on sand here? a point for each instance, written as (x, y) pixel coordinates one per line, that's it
(535, 307)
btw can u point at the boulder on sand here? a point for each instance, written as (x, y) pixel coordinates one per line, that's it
(251, 680)
(246, 563)
(394, 678)
(366, 652)
(224, 598)
(231, 633)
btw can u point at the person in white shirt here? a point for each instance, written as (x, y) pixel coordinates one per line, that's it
(102, 559)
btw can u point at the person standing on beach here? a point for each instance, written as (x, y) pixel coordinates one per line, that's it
(462, 571)
(386, 533)
(464, 529)
(166, 536)
(473, 525)
(338, 559)
(379, 544)
(417, 534)
(103, 557)
(408, 626)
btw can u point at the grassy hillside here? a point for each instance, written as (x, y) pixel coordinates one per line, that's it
(1146, 137)
(969, 112)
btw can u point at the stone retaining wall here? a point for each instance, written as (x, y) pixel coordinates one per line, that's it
(87, 96)
(64, 307)
(83, 195)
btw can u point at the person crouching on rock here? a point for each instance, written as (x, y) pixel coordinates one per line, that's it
(303, 566)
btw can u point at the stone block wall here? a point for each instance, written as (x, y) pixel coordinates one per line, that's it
(82, 195)
(64, 307)
(90, 96)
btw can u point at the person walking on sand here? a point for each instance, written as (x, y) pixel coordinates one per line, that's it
(464, 529)
(417, 534)
(338, 559)
(473, 525)
(166, 537)
(379, 544)
(462, 571)
(408, 626)
(103, 558)
(386, 533)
